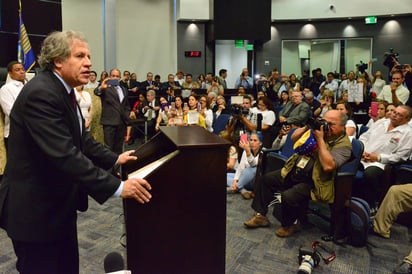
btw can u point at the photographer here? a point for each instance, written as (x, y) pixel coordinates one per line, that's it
(244, 80)
(235, 124)
(309, 173)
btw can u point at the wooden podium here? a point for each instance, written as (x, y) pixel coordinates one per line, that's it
(183, 228)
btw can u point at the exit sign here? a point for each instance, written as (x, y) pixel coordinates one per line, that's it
(371, 20)
(239, 44)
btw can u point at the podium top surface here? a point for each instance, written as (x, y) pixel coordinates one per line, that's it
(193, 136)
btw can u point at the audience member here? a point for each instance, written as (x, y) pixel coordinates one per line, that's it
(208, 80)
(221, 106)
(295, 112)
(294, 83)
(326, 102)
(170, 88)
(350, 125)
(242, 180)
(93, 83)
(314, 105)
(188, 86)
(163, 116)
(176, 112)
(149, 84)
(395, 92)
(9, 93)
(331, 84)
(115, 112)
(244, 80)
(191, 113)
(180, 77)
(381, 114)
(84, 100)
(151, 111)
(344, 85)
(378, 83)
(389, 141)
(222, 78)
(315, 81)
(397, 200)
(232, 156)
(280, 86)
(215, 87)
(206, 112)
(309, 174)
(103, 75)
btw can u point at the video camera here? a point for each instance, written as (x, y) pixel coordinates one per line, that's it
(391, 58)
(362, 66)
(316, 123)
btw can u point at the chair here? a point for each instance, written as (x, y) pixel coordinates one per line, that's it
(360, 130)
(220, 123)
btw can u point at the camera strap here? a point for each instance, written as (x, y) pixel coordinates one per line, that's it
(331, 253)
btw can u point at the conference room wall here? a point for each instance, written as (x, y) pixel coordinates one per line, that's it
(144, 32)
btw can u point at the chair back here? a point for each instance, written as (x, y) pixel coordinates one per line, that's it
(220, 123)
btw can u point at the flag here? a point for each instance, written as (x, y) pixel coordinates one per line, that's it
(25, 54)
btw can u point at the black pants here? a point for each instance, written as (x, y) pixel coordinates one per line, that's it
(295, 196)
(114, 137)
(48, 258)
(373, 185)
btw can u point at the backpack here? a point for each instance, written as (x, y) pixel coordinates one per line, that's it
(360, 222)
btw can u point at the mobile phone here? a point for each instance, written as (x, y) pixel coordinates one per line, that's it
(113, 82)
(374, 109)
(243, 138)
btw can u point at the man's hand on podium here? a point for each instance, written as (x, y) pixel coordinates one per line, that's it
(125, 157)
(137, 189)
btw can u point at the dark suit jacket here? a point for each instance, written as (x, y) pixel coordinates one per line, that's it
(52, 165)
(114, 112)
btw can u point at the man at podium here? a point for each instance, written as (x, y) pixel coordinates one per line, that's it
(54, 164)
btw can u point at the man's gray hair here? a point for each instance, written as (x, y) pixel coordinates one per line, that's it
(57, 45)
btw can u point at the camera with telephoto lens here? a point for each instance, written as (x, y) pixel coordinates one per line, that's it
(308, 259)
(391, 58)
(316, 123)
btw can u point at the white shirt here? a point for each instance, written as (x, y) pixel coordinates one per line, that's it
(268, 116)
(8, 95)
(92, 85)
(246, 162)
(345, 86)
(401, 92)
(85, 102)
(393, 146)
(378, 86)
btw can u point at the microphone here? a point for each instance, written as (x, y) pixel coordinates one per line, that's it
(113, 262)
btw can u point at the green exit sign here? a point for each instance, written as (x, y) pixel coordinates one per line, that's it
(239, 44)
(249, 47)
(371, 20)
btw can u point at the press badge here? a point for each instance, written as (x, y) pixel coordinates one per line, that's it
(304, 160)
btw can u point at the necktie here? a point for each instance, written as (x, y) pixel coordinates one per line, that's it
(74, 101)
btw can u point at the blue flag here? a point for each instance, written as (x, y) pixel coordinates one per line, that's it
(25, 53)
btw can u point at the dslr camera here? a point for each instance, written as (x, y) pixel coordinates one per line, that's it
(237, 110)
(308, 259)
(316, 123)
(391, 58)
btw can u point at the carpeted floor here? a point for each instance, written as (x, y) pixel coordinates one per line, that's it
(248, 251)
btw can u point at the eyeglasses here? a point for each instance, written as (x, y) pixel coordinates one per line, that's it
(394, 112)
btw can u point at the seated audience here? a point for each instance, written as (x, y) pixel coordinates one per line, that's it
(232, 157)
(350, 124)
(221, 106)
(163, 116)
(381, 114)
(296, 111)
(242, 180)
(188, 86)
(191, 114)
(307, 174)
(206, 112)
(314, 104)
(176, 112)
(326, 102)
(389, 141)
(215, 87)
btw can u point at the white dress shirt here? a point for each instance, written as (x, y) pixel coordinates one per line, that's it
(8, 95)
